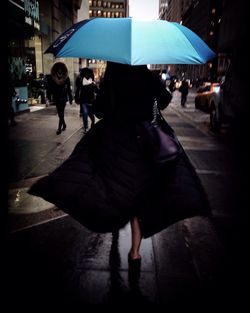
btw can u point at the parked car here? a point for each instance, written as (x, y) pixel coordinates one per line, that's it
(209, 99)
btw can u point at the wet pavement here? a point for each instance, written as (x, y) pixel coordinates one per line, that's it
(55, 262)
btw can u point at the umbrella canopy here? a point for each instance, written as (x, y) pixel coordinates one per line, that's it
(131, 41)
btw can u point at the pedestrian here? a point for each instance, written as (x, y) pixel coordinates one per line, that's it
(41, 88)
(59, 91)
(109, 180)
(184, 92)
(86, 90)
(11, 112)
(171, 86)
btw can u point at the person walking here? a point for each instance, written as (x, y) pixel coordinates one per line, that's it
(184, 92)
(109, 181)
(11, 112)
(86, 89)
(171, 86)
(59, 91)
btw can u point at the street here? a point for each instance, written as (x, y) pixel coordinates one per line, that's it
(54, 261)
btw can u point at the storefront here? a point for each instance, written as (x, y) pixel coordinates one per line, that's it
(24, 44)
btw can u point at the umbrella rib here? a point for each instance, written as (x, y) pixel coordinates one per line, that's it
(200, 57)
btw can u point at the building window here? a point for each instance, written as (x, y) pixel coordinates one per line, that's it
(99, 13)
(104, 14)
(90, 13)
(90, 3)
(99, 3)
(104, 4)
(108, 14)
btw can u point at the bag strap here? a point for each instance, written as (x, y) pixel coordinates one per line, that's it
(159, 119)
(155, 113)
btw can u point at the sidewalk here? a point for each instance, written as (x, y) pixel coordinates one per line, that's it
(56, 262)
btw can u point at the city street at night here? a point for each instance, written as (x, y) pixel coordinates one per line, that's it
(105, 208)
(54, 261)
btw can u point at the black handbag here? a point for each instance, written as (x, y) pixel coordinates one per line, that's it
(158, 139)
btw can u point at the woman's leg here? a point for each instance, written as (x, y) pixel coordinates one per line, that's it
(92, 116)
(136, 238)
(183, 100)
(60, 111)
(85, 116)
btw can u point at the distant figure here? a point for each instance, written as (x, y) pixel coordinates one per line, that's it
(184, 92)
(172, 85)
(11, 94)
(59, 91)
(86, 90)
(41, 87)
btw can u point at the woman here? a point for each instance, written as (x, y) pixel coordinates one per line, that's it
(184, 92)
(59, 91)
(86, 90)
(109, 180)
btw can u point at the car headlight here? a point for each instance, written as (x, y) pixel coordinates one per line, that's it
(216, 89)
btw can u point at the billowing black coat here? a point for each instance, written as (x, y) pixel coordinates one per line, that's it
(108, 178)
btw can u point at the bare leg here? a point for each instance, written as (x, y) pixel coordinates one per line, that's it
(136, 238)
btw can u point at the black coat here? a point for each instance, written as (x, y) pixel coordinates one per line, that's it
(85, 93)
(108, 179)
(59, 92)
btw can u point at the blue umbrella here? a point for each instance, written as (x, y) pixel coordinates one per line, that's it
(130, 41)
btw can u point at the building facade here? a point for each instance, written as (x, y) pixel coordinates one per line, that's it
(114, 8)
(33, 25)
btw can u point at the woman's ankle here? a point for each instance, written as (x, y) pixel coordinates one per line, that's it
(134, 255)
